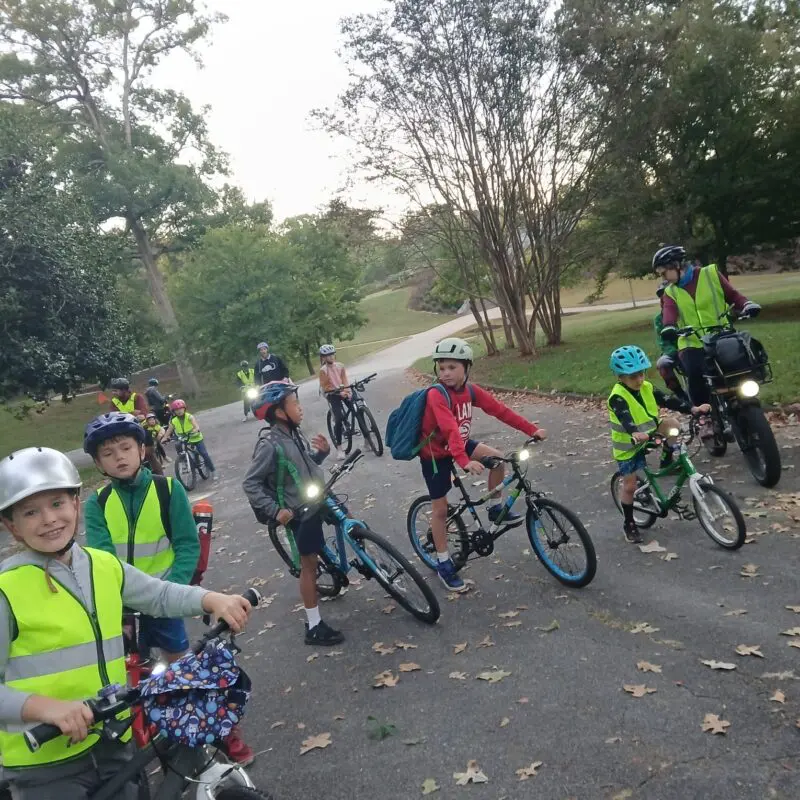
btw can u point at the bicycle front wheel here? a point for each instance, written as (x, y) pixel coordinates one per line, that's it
(347, 432)
(202, 467)
(642, 499)
(185, 472)
(329, 582)
(395, 574)
(719, 516)
(561, 542)
(418, 525)
(372, 434)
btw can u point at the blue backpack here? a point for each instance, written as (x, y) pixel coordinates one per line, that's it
(404, 428)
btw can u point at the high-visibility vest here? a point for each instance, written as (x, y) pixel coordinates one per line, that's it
(247, 378)
(128, 407)
(146, 541)
(183, 426)
(701, 311)
(645, 418)
(60, 649)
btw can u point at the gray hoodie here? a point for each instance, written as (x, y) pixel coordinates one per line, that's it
(261, 481)
(140, 592)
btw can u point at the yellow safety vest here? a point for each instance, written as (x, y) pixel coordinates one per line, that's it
(701, 311)
(247, 378)
(61, 650)
(183, 426)
(128, 407)
(146, 542)
(645, 418)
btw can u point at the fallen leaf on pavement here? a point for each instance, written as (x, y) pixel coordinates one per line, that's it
(413, 742)
(523, 701)
(429, 786)
(737, 612)
(614, 740)
(460, 648)
(385, 679)
(312, 657)
(472, 775)
(652, 547)
(459, 676)
(749, 571)
(509, 614)
(644, 627)
(301, 726)
(388, 609)
(794, 644)
(486, 641)
(504, 722)
(718, 664)
(646, 666)
(409, 667)
(318, 742)
(669, 557)
(713, 724)
(493, 676)
(529, 771)
(552, 626)
(405, 645)
(791, 632)
(338, 717)
(749, 650)
(637, 690)
(514, 624)
(380, 647)
(796, 609)
(279, 724)
(778, 697)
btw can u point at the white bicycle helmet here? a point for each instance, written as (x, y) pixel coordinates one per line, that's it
(35, 469)
(454, 348)
(327, 350)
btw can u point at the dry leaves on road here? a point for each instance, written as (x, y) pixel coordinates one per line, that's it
(749, 650)
(644, 627)
(504, 722)
(312, 657)
(318, 742)
(791, 632)
(529, 771)
(508, 614)
(669, 556)
(385, 679)
(513, 624)
(550, 627)
(388, 609)
(486, 641)
(737, 612)
(493, 676)
(472, 775)
(718, 664)
(458, 676)
(405, 645)
(652, 547)
(460, 648)
(410, 666)
(382, 649)
(638, 690)
(796, 609)
(429, 786)
(646, 666)
(713, 724)
(778, 697)
(749, 571)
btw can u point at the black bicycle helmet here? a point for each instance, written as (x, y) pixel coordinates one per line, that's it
(120, 383)
(668, 255)
(109, 425)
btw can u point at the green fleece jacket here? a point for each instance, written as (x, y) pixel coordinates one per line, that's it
(132, 493)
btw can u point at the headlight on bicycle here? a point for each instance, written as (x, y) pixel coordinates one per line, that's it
(674, 432)
(251, 393)
(312, 491)
(524, 454)
(749, 389)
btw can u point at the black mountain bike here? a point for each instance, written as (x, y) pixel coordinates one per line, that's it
(356, 415)
(188, 463)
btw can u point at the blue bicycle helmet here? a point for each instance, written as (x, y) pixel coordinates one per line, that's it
(152, 382)
(270, 396)
(629, 359)
(109, 425)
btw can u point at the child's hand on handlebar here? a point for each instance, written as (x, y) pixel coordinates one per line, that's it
(540, 435)
(284, 516)
(640, 437)
(233, 608)
(73, 717)
(703, 409)
(474, 468)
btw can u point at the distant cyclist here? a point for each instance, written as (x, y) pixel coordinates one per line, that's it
(269, 367)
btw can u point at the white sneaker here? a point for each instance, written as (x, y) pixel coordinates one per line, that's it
(340, 455)
(244, 419)
(215, 478)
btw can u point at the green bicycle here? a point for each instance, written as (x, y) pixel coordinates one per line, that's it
(715, 510)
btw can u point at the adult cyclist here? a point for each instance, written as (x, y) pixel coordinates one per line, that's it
(246, 379)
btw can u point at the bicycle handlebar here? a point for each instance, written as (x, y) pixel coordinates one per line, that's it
(309, 509)
(353, 385)
(490, 462)
(112, 700)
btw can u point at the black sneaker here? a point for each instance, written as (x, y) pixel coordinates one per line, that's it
(511, 519)
(323, 635)
(632, 533)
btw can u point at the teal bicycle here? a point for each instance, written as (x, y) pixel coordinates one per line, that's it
(714, 509)
(355, 547)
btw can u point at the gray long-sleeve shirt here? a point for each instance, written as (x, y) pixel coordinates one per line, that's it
(261, 481)
(140, 592)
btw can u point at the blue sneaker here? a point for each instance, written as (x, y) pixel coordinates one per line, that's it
(511, 518)
(449, 577)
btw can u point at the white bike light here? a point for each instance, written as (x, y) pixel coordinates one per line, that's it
(674, 432)
(251, 393)
(523, 455)
(312, 491)
(749, 389)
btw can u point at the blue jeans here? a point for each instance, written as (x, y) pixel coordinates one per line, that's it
(203, 451)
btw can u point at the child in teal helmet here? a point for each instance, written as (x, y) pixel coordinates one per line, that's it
(634, 413)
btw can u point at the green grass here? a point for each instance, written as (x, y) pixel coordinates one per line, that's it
(580, 364)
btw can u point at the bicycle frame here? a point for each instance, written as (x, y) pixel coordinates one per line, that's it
(137, 667)
(344, 525)
(686, 470)
(470, 505)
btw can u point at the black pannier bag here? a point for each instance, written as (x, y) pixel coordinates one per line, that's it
(737, 353)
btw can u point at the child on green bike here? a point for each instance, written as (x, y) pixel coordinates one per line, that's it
(283, 462)
(634, 413)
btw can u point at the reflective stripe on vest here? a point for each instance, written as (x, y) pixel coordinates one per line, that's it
(645, 418)
(61, 650)
(701, 311)
(183, 425)
(247, 378)
(128, 407)
(152, 549)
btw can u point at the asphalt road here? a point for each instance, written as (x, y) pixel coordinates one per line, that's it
(563, 702)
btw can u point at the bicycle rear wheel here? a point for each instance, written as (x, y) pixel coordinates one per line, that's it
(395, 574)
(329, 581)
(348, 421)
(418, 525)
(202, 467)
(561, 542)
(719, 516)
(642, 498)
(185, 471)
(372, 434)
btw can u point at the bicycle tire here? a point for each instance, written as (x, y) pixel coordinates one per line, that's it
(348, 422)
(428, 615)
(369, 428)
(143, 787)
(329, 421)
(457, 536)
(191, 481)
(545, 504)
(329, 582)
(242, 793)
(741, 528)
(643, 519)
(201, 467)
(756, 440)
(716, 445)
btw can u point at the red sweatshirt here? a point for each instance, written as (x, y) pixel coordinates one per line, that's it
(454, 424)
(670, 315)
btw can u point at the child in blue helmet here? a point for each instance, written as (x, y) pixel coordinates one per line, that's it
(633, 410)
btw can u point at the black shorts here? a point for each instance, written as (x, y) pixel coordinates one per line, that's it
(308, 535)
(439, 483)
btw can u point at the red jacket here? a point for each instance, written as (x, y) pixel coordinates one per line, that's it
(670, 315)
(454, 424)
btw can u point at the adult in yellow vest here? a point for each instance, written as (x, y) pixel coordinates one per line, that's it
(246, 380)
(695, 297)
(64, 604)
(183, 423)
(127, 402)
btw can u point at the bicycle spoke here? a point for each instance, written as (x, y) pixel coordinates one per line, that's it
(564, 551)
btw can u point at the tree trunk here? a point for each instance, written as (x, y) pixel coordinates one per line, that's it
(188, 379)
(307, 357)
(507, 332)
(489, 325)
(549, 313)
(486, 334)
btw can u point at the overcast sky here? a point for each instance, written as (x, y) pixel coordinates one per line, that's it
(265, 70)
